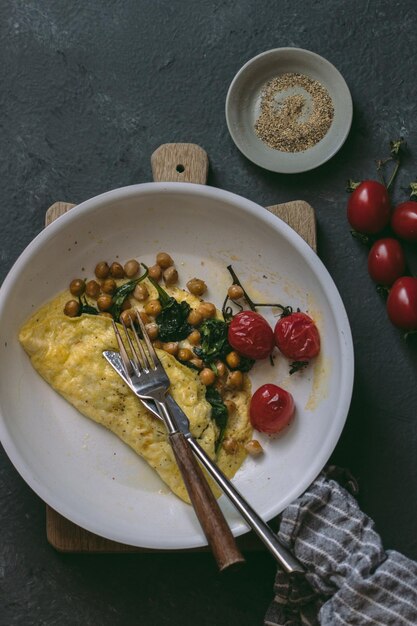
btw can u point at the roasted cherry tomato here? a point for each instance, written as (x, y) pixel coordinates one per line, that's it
(297, 336)
(404, 221)
(369, 207)
(251, 335)
(402, 303)
(271, 409)
(386, 261)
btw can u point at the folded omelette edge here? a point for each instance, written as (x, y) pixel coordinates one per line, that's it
(67, 353)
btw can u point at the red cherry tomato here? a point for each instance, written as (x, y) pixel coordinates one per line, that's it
(369, 207)
(250, 334)
(404, 221)
(297, 336)
(402, 303)
(386, 261)
(271, 409)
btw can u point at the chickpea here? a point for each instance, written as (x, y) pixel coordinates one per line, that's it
(170, 276)
(72, 308)
(144, 317)
(126, 304)
(77, 287)
(184, 354)
(104, 302)
(206, 309)
(164, 260)
(153, 308)
(116, 270)
(171, 347)
(152, 330)
(157, 345)
(219, 386)
(141, 292)
(155, 272)
(198, 363)
(194, 317)
(196, 286)
(235, 292)
(92, 289)
(235, 380)
(109, 286)
(253, 447)
(194, 338)
(230, 406)
(233, 359)
(230, 446)
(207, 376)
(221, 368)
(131, 268)
(102, 270)
(127, 316)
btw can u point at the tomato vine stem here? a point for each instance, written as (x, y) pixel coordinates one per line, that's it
(396, 148)
(413, 188)
(394, 174)
(286, 310)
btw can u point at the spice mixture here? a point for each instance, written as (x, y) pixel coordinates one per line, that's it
(296, 113)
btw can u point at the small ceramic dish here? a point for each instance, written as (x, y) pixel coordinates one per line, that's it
(243, 105)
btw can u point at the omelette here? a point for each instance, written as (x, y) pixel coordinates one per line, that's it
(67, 353)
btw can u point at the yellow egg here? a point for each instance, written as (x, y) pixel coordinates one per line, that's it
(67, 353)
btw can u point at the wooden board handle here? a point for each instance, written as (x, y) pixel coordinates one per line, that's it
(180, 163)
(301, 217)
(213, 523)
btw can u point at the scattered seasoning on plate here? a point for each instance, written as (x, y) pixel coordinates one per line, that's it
(296, 113)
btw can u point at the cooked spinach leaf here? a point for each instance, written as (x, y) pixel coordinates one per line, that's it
(123, 292)
(164, 297)
(86, 308)
(215, 346)
(218, 412)
(245, 364)
(172, 320)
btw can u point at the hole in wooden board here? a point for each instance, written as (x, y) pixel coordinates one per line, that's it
(180, 168)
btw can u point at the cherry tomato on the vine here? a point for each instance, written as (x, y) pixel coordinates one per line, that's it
(271, 409)
(402, 303)
(386, 261)
(297, 336)
(369, 207)
(404, 220)
(250, 334)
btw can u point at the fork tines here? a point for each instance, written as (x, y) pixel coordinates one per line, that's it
(141, 359)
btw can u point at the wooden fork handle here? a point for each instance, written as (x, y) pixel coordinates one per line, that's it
(213, 523)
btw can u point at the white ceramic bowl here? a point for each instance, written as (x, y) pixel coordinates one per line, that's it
(243, 108)
(82, 470)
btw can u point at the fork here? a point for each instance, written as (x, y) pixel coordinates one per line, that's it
(265, 533)
(151, 383)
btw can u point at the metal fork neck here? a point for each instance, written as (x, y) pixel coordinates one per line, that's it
(166, 416)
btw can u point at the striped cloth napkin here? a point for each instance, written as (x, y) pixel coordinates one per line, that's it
(350, 578)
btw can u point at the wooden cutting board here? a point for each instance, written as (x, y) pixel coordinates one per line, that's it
(172, 162)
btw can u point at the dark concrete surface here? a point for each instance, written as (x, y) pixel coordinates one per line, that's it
(88, 91)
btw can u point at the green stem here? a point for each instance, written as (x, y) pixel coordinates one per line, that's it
(380, 171)
(394, 174)
(236, 281)
(286, 310)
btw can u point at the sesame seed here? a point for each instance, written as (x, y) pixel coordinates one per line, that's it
(296, 112)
